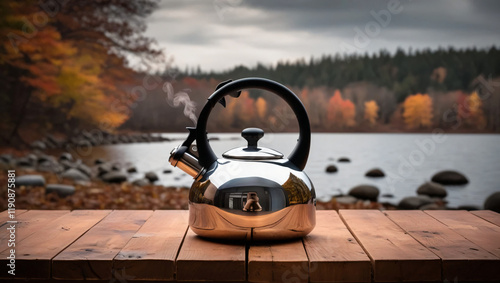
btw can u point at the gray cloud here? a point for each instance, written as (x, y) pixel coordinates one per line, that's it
(220, 34)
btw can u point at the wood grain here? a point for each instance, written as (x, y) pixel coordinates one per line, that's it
(278, 262)
(34, 253)
(4, 215)
(395, 255)
(29, 223)
(473, 228)
(151, 253)
(488, 215)
(201, 259)
(334, 254)
(91, 256)
(459, 256)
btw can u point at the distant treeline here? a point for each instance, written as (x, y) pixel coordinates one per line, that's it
(403, 72)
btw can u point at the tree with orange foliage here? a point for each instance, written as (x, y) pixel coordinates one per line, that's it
(470, 110)
(341, 112)
(371, 112)
(70, 61)
(418, 111)
(261, 106)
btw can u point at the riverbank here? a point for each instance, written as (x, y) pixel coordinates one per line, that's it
(64, 182)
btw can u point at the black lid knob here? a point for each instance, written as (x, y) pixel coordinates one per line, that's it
(252, 135)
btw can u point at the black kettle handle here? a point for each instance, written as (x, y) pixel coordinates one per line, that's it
(300, 153)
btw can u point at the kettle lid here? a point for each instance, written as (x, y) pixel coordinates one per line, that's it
(252, 151)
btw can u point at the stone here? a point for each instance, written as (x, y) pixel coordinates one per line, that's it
(132, 169)
(24, 162)
(30, 180)
(116, 167)
(141, 182)
(151, 176)
(167, 171)
(66, 156)
(414, 202)
(75, 175)
(98, 161)
(104, 169)
(60, 190)
(493, 202)
(7, 158)
(38, 145)
(346, 199)
(375, 172)
(365, 192)
(450, 177)
(84, 169)
(343, 159)
(432, 189)
(114, 177)
(49, 166)
(387, 195)
(331, 169)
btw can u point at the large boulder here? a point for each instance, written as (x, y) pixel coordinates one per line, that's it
(60, 190)
(414, 202)
(30, 180)
(450, 177)
(375, 172)
(331, 169)
(365, 192)
(343, 159)
(114, 177)
(432, 189)
(75, 175)
(493, 202)
(151, 176)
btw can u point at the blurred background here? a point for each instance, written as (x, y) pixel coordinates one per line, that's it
(95, 94)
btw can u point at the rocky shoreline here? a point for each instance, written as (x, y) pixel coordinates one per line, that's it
(48, 182)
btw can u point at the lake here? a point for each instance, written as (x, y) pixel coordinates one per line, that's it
(407, 159)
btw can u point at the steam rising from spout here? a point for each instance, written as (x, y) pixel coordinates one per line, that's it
(181, 97)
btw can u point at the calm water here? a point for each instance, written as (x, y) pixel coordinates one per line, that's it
(406, 164)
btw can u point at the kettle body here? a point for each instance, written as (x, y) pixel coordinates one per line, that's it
(250, 192)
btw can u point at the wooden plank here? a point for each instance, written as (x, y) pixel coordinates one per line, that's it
(488, 215)
(4, 215)
(27, 224)
(91, 256)
(204, 260)
(479, 231)
(34, 253)
(395, 255)
(334, 254)
(459, 256)
(278, 262)
(151, 253)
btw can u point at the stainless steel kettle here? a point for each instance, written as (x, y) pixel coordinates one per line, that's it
(251, 192)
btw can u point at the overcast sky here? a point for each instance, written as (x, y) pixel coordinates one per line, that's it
(221, 34)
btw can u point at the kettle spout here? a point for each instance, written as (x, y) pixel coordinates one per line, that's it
(182, 158)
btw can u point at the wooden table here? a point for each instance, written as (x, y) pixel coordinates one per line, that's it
(348, 246)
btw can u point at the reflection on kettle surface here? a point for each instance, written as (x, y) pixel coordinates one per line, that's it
(251, 192)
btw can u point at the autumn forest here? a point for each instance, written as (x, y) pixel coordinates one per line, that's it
(65, 68)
